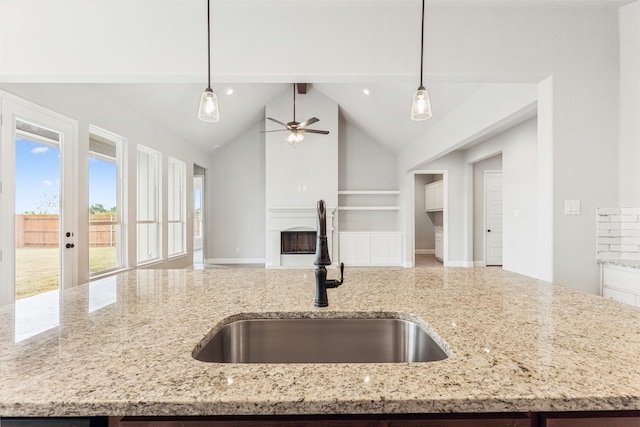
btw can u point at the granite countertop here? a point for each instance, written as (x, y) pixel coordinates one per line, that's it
(123, 347)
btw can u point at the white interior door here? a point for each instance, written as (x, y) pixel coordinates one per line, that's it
(493, 217)
(40, 188)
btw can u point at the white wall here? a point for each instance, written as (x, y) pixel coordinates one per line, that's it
(629, 152)
(300, 176)
(363, 164)
(578, 48)
(521, 197)
(492, 163)
(80, 103)
(236, 200)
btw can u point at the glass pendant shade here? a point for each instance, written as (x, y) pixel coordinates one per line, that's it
(295, 138)
(421, 107)
(208, 111)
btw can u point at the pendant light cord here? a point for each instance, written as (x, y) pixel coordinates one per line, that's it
(422, 45)
(209, 45)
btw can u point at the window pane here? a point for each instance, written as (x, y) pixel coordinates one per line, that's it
(148, 198)
(176, 238)
(176, 208)
(147, 242)
(104, 203)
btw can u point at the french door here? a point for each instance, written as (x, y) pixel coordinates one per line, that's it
(38, 204)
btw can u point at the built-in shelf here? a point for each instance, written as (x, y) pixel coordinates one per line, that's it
(378, 200)
(368, 192)
(368, 208)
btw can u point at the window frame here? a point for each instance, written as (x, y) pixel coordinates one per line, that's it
(156, 218)
(181, 199)
(121, 206)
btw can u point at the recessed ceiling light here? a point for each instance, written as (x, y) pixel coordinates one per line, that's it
(229, 91)
(366, 91)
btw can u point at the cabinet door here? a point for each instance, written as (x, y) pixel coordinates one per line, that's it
(386, 248)
(438, 195)
(363, 249)
(428, 198)
(347, 248)
(379, 249)
(619, 296)
(395, 249)
(439, 251)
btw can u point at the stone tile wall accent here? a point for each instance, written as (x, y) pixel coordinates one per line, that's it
(618, 234)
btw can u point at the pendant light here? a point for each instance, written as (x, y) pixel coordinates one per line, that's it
(421, 107)
(208, 111)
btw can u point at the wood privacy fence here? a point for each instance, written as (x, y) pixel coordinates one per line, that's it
(44, 230)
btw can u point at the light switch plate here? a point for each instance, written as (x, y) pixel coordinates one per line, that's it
(572, 207)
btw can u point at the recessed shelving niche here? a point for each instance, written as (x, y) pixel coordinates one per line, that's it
(368, 210)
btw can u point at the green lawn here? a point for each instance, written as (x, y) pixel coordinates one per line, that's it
(37, 269)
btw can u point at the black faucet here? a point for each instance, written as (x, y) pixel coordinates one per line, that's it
(322, 259)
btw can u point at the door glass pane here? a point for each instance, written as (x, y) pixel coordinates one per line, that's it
(37, 202)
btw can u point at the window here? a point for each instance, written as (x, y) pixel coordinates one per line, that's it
(177, 206)
(105, 201)
(148, 213)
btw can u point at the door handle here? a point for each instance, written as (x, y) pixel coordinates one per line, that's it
(70, 245)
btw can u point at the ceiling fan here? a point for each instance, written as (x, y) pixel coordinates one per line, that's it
(296, 129)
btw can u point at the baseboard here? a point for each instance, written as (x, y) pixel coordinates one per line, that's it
(479, 264)
(234, 261)
(458, 264)
(425, 251)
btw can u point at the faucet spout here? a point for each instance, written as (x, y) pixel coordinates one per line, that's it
(322, 259)
(322, 247)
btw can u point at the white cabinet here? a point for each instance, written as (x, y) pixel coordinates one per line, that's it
(370, 248)
(439, 251)
(621, 284)
(355, 248)
(434, 196)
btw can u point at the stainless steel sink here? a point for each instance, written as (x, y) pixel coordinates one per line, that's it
(323, 340)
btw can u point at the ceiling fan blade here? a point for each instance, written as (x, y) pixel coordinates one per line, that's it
(277, 121)
(308, 122)
(323, 132)
(278, 130)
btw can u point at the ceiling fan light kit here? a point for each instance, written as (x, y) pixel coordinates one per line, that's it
(296, 130)
(421, 106)
(208, 110)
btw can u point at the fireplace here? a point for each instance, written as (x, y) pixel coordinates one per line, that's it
(291, 236)
(297, 242)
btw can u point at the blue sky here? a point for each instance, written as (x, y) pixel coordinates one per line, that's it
(38, 178)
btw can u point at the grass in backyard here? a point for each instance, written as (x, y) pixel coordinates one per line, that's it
(37, 269)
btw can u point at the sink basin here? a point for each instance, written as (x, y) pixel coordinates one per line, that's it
(320, 340)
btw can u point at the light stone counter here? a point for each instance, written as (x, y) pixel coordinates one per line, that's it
(516, 344)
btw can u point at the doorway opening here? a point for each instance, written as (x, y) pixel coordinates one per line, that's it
(429, 217)
(198, 216)
(487, 211)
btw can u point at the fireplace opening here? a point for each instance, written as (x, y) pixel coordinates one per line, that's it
(297, 242)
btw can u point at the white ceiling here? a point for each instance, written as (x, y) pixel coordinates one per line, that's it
(383, 114)
(383, 62)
